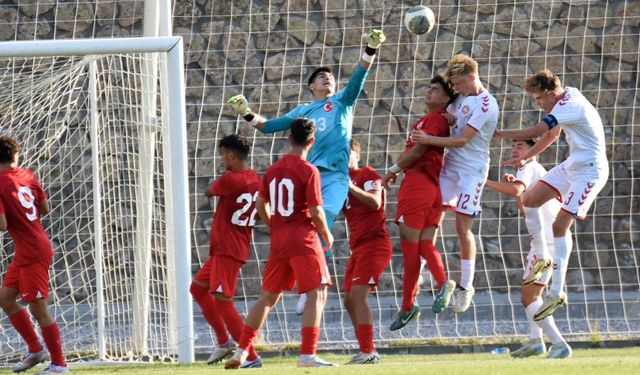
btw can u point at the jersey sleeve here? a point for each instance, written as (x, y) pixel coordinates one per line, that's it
(283, 122)
(371, 181)
(438, 126)
(481, 114)
(314, 189)
(562, 113)
(263, 190)
(222, 186)
(524, 176)
(352, 90)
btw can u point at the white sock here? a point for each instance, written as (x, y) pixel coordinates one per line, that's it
(560, 262)
(535, 331)
(467, 266)
(539, 245)
(547, 324)
(535, 227)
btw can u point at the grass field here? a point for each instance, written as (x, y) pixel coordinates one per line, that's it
(584, 361)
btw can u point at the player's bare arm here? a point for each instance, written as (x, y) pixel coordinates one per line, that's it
(3, 222)
(43, 206)
(319, 220)
(371, 198)
(404, 161)
(418, 136)
(513, 188)
(264, 210)
(545, 141)
(523, 134)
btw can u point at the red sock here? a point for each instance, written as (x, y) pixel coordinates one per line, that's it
(234, 324)
(207, 305)
(246, 339)
(364, 333)
(434, 261)
(310, 336)
(22, 323)
(51, 336)
(411, 259)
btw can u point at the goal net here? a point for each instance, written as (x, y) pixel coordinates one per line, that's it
(93, 121)
(266, 50)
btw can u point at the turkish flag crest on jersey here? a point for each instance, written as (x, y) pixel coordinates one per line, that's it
(328, 106)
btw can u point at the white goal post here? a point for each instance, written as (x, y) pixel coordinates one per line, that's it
(118, 107)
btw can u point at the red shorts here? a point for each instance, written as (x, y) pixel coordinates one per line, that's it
(419, 201)
(308, 271)
(221, 274)
(368, 261)
(31, 280)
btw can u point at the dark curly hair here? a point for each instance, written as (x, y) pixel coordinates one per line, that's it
(9, 147)
(238, 144)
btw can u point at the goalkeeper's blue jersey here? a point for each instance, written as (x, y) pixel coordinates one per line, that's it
(334, 121)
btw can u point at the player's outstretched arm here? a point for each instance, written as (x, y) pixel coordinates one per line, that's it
(418, 136)
(513, 188)
(241, 106)
(523, 134)
(545, 141)
(404, 161)
(320, 221)
(374, 39)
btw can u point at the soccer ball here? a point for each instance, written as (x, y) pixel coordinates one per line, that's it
(419, 19)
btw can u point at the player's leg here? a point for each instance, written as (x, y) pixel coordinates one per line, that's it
(312, 277)
(276, 278)
(19, 318)
(35, 280)
(409, 310)
(429, 252)
(529, 294)
(200, 287)
(467, 243)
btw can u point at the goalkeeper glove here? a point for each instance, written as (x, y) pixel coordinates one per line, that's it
(240, 105)
(374, 38)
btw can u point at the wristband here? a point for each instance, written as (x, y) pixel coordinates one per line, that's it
(249, 117)
(256, 120)
(395, 169)
(370, 50)
(368, 58)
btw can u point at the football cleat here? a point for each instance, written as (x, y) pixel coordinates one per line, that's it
(236, 360)
(531, 348)
(221, 352)
(53, 369)
(255, 363)
(405, 317)
(300, 305)
(539, 267)
(313, 361)
(463, 300)
(559, 351)
(365, 358)
(550, 304)
(443, 297)
(31, 359)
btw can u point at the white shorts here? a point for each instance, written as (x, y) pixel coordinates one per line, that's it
(531, 260)
(577, 188)
(462, 191)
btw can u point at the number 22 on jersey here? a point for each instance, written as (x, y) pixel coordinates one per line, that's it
(249, 201)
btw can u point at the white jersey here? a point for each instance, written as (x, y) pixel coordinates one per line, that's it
(583, 129)
(481, 113)
(528, 175)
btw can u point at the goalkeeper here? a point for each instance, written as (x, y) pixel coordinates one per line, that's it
(333, 114)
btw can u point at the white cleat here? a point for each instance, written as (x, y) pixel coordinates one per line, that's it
(236, 360)
(312, 360)
(31, 359)
(221, 352)
(559, 351)
(53, 369)
(365, 358)
(531, 348)
(462, 300)
(256, 363)
(550, 304)
(300, 305)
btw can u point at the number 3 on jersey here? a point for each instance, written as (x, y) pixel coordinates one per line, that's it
(249, 200)
(278, 193)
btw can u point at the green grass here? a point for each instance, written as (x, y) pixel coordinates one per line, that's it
(584, 361)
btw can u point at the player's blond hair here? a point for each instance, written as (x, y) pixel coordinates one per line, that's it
(461, 65)
(544, 80)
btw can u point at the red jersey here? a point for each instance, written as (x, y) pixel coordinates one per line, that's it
(291, 186)
(20, 196)
(235, 213)
(435, 124)
(364, 222)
